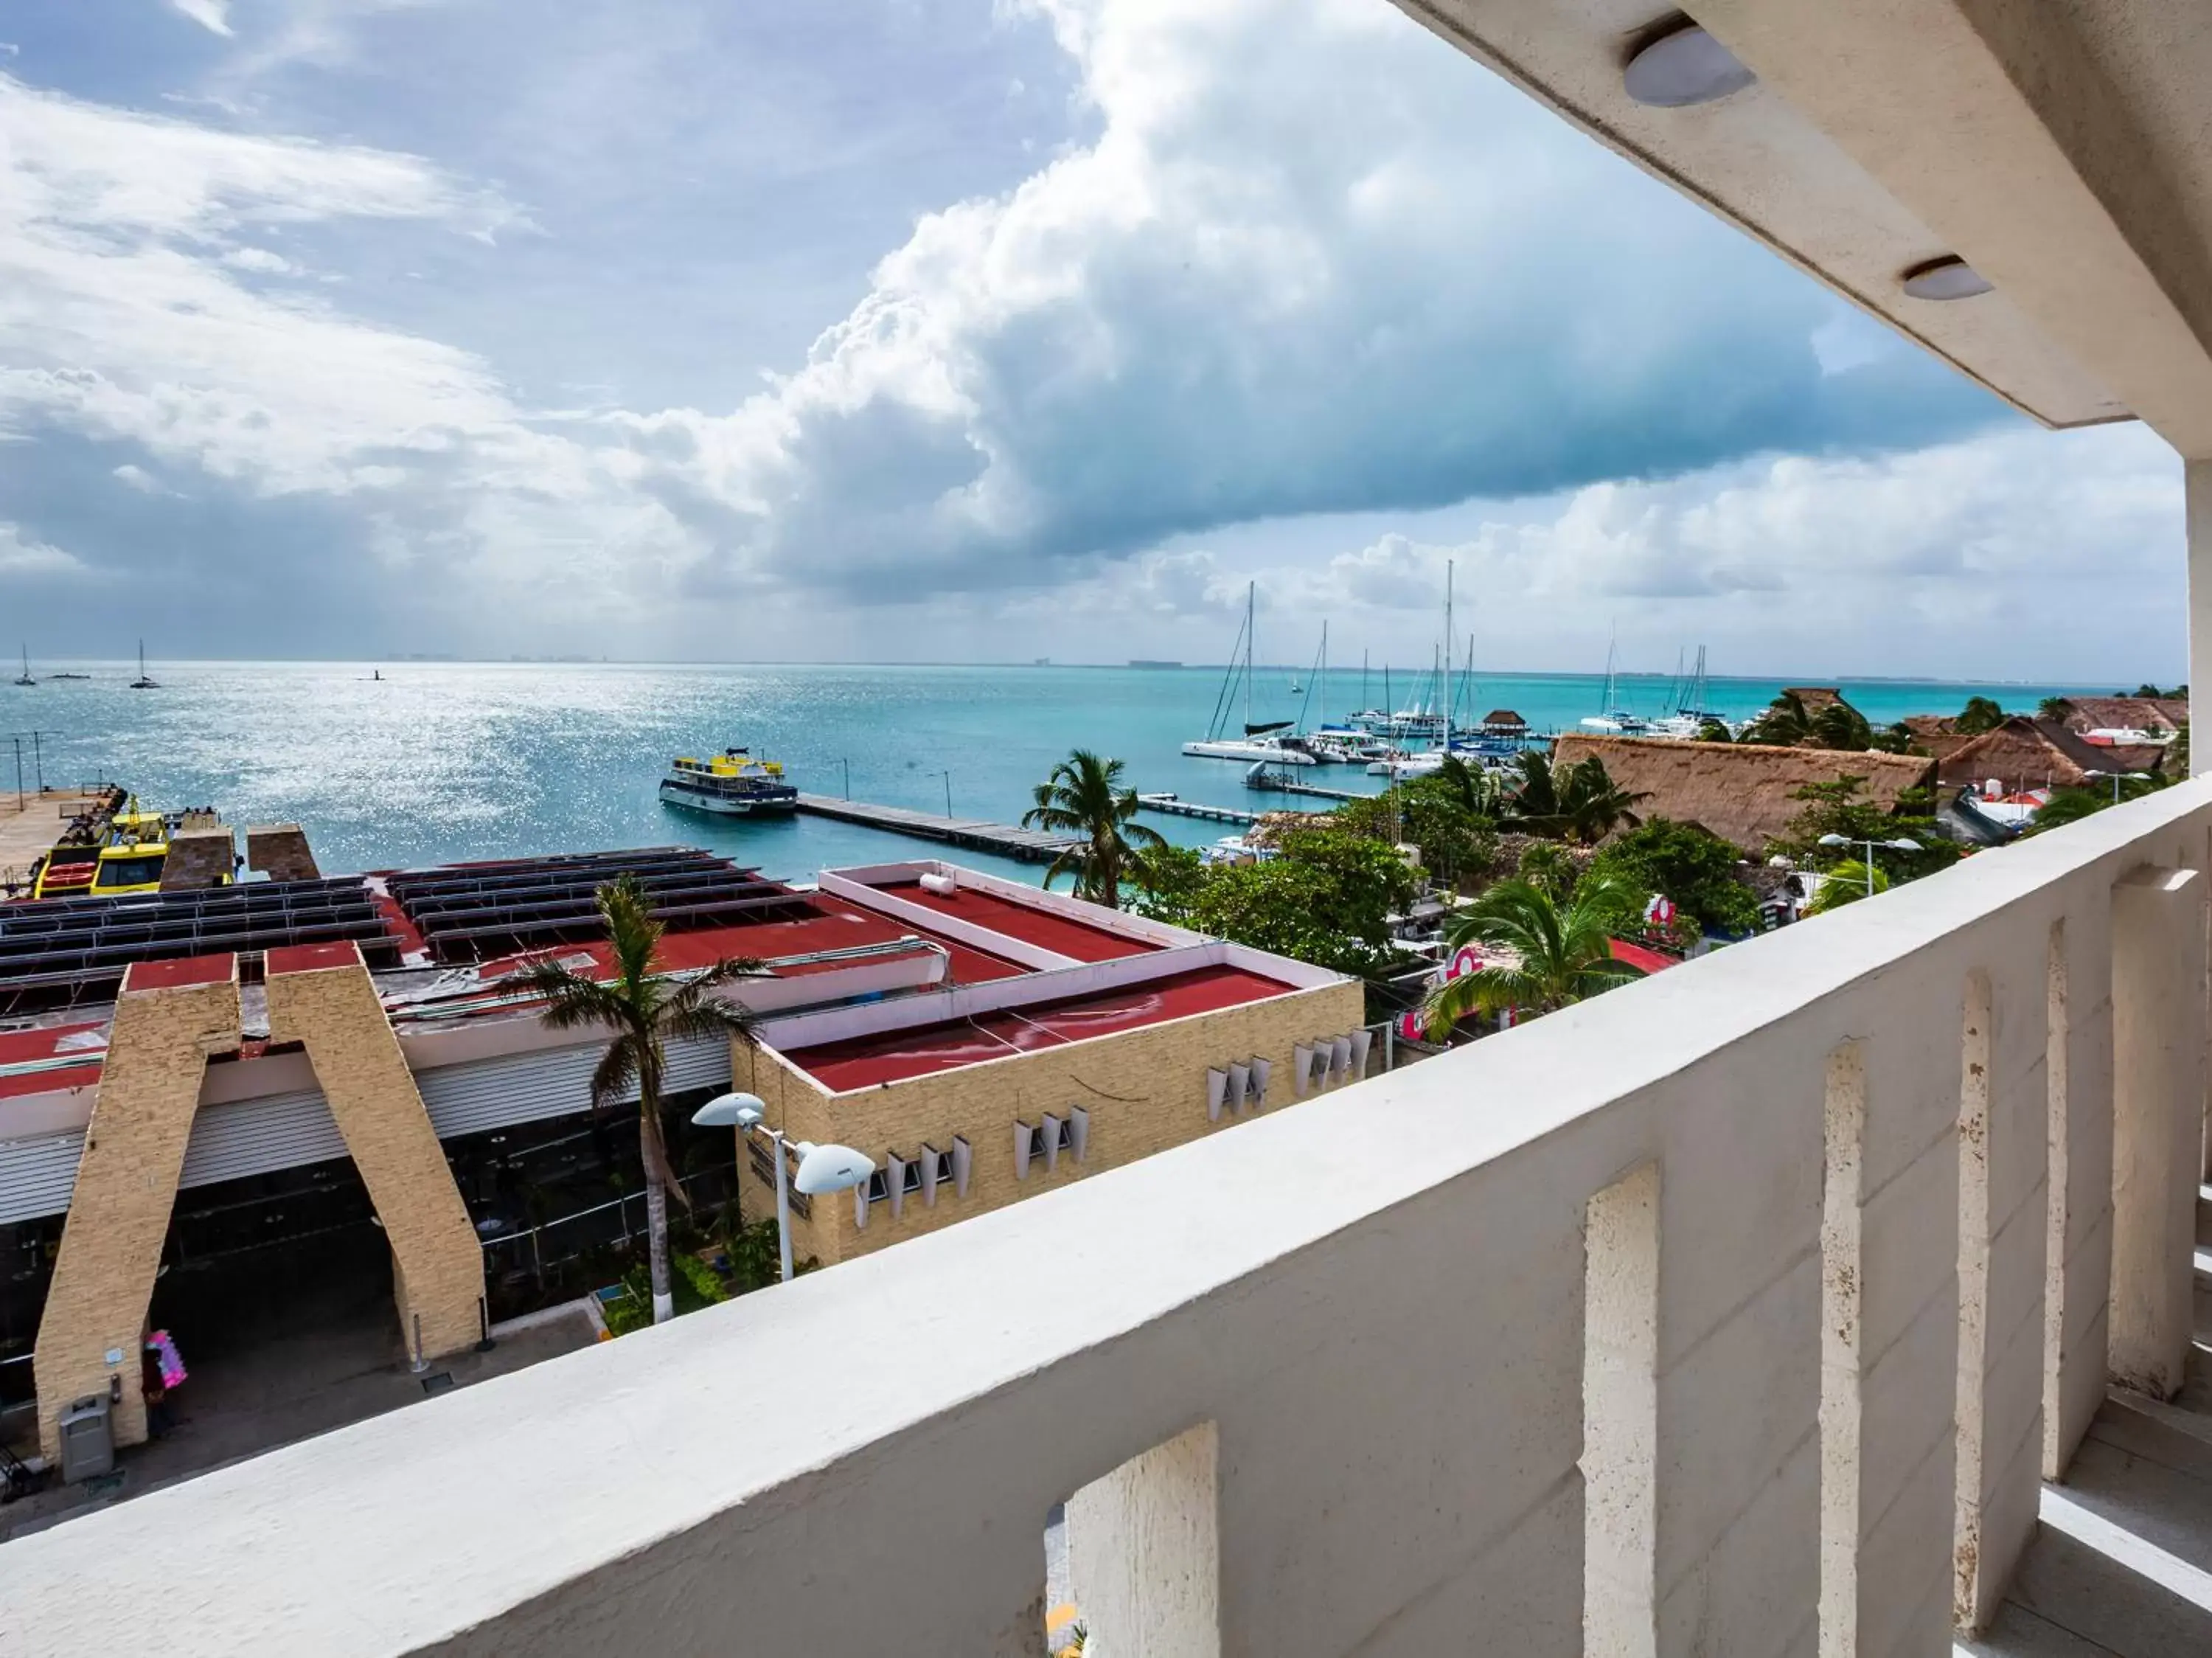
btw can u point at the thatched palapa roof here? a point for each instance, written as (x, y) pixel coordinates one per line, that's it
(1740, 791)
(1503, 719)
(2027, 753)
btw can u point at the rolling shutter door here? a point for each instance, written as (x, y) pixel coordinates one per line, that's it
(37, 1176)
(252, 1137)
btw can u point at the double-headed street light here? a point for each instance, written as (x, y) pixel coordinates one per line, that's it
(1902, 843)
(822, 1169)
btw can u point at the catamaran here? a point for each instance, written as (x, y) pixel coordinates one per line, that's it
(1272, 740)
(144, 682)
(24, 678)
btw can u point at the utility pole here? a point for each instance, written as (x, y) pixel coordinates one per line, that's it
(37, 740)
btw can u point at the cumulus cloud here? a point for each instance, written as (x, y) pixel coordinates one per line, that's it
(1312, 262)
(1989, 555)
(22, 555)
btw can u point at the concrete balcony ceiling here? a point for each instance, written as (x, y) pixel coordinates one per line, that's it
(2061, 148)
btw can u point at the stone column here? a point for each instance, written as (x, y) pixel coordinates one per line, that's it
(321, 997)
(170, 1017)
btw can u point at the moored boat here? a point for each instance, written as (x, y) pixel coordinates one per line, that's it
(730, 784)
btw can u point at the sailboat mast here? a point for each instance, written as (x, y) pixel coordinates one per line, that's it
(1451, 692)
(1324, 670)
(1250, 657)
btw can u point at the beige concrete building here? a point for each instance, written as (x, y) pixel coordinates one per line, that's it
(1829, 1294)
(967, 1100)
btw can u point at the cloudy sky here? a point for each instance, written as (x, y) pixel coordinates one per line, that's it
(958, 330)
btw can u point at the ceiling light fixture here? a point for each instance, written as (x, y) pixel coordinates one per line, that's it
(1683, 67)
(1948, 277)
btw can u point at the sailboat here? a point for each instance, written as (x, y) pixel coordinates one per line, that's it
(1261, 739)
(1691, 715)
(1610, 719)
(24, 678)
(143, 682)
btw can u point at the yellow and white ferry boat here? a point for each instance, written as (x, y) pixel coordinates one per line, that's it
(730, 784)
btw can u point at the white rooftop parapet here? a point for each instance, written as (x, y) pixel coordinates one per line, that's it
(1338, 1379)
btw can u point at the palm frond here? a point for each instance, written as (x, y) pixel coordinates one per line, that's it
(572, 1001)
(616, 1074)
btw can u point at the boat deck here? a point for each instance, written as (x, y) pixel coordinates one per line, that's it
(29, 829)
(1007, 840)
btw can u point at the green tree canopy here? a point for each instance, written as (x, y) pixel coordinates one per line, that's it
(2067, 805)
(1698, 870)
(2056, 709)
(1325, 897)
(1979, 715)
(1438, 815)
(1840, 808)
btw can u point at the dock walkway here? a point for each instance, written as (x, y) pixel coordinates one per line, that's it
(1006, 840)
(1175, 806)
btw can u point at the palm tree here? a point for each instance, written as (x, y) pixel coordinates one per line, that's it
(2056, 709)
(1839, 725)
(1472, 788)
(1084, 795)
(1576, 802)
(1565, 949)
(1846, 884)
(1784, 724)
(1593, 805)
(1533, 801)
(644, 1011)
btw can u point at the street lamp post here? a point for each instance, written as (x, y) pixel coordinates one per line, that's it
(2137, 776)
(822, 1169)
(947, 776)
(1902, 843)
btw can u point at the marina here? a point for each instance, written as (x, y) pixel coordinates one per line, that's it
(1007, 840)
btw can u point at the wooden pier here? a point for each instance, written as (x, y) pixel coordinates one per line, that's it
(1175, 807)
(1006, 840)
(1284, 786)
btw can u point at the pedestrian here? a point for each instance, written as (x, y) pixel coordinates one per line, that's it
(149, 1384)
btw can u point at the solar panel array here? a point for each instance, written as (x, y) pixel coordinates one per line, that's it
(478, 910)
(60, 951)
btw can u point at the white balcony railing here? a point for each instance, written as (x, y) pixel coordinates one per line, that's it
(1676, 1322)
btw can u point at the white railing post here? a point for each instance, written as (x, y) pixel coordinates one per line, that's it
(2158, 1119)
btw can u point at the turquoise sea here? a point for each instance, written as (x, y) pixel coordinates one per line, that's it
(441, 761)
